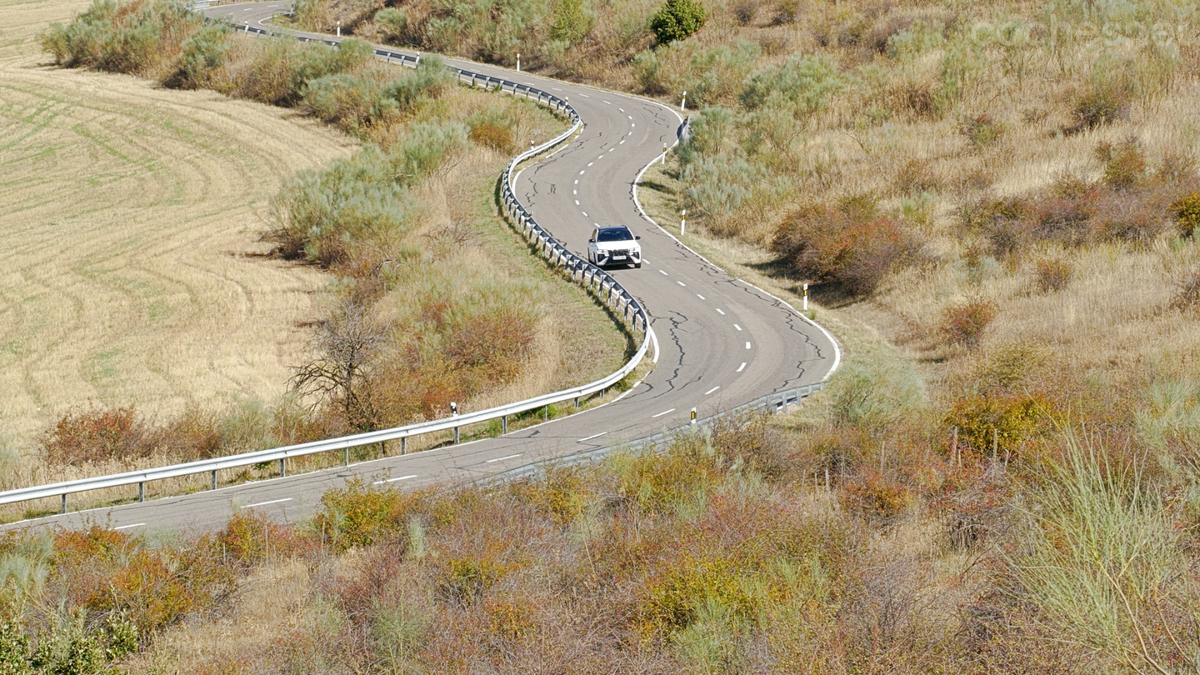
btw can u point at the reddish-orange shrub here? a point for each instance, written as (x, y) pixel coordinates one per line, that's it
(965, 322)
(250, 538)
(850, 246)
(875, 495)
(97, 435)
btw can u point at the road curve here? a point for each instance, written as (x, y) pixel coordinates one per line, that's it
(720, 342)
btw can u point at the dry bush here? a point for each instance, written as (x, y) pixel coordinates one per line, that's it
(494, 136)
(1053, 274)
(876, 495)
(1125, 164)
(852, 246)
(915, 176)
(92, 436)
(1187, 293)
(982, 130)
(110, 572)
(964, 323)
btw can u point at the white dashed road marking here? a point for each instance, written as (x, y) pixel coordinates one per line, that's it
(393, 480)
(699, 296)
(720, 312)
(273, 501)
(591, 437)
(664, 413)
(712, 390)
(681, 283)
(126, 527)
(737, 326)
(501, 459)
(747, 345)
(742, 367)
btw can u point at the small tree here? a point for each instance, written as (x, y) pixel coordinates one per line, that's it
(572, 21)
(678, 19)
(346, 345)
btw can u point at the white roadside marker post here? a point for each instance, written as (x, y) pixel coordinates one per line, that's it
(339, 32)
(806, 297)
(664, 157)
(683, 103)
(693, 416)
(682, 221)
(518, 62)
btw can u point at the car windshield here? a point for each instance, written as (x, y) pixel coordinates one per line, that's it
(614, 235)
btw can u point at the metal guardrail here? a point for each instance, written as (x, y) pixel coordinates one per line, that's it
(774, 402)
(603, 285)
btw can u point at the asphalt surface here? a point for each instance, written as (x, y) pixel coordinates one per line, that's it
(719, 342)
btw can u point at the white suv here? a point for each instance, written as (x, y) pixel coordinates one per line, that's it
(614, 246)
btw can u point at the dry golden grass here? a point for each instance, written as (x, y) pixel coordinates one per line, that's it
(132, 271)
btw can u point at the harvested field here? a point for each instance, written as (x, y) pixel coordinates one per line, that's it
(131, 269)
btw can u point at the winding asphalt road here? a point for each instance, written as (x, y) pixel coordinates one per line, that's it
(720, 342)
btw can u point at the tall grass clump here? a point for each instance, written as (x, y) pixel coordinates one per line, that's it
(1101, 556)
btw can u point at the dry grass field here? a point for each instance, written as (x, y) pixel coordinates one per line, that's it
(131, 271)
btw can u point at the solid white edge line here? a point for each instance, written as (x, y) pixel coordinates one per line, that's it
(837, 349)
(501, 459)
(654, 341)
(126, 527)
(664, 413)
(273, 501)
(591, 437)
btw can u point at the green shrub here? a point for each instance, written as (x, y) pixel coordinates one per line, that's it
(716, 73)
(804, 83)
(673, 601)
(360, 514)
(1187, 214)
(677, 19)
(573, 20)
(352, 102)
(393, 22)
(202, 53)
(1007, 420)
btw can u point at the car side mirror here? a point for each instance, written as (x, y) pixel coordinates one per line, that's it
(591, 241)
(638, 237)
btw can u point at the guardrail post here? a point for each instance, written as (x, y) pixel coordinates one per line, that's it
(64, 503)
(346, 457)
(503, 424)
(142, 491)
(456, 435)
(547, 414)
(577, 403)
(214, 479)
(283, 467)
(404, 445)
